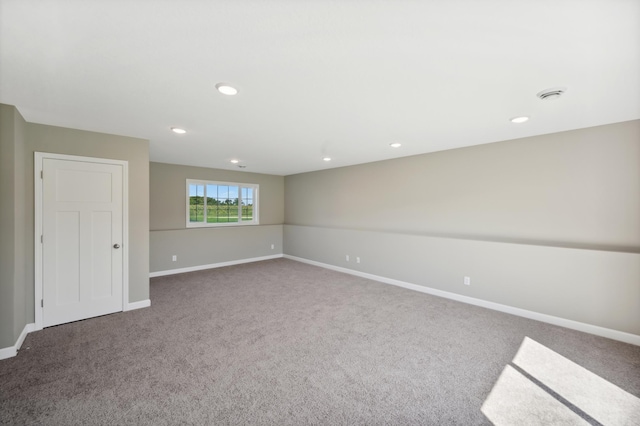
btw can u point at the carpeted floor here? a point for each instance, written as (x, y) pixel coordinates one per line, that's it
(281, 342)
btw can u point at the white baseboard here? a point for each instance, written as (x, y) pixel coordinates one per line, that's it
(213, 265)
(138, 305)
(12, 351)
(550, 319)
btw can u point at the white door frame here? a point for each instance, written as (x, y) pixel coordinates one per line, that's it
(39, 158)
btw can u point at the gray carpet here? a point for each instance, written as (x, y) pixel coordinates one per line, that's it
(281, 342)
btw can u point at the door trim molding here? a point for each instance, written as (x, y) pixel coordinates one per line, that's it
(39, 157)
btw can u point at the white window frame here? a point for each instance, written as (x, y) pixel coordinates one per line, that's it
(240, 222)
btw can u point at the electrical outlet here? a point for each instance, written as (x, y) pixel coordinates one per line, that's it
(357, 260)
(347, 257)
(174, 258)
(273, 246)
(467, 280)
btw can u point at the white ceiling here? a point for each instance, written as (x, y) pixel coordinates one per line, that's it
(336, 78)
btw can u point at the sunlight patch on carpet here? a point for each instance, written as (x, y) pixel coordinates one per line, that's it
(516, 399)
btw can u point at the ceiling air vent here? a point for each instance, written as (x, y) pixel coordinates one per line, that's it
(551, 94)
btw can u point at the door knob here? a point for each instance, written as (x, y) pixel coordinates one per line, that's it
(116, 246)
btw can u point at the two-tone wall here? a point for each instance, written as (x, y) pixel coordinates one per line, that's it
(199, 248)
(547, 224)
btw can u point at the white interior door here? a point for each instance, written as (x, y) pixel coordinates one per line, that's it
(82, 229)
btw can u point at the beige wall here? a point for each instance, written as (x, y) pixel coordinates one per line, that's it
(576, 189)
(18, 142)
(23, 305)
(7, 221)
(427, 219)
(589, 286)
(548, 223)
(200, 247)
(205, 246)
(13, 307)
(59, 140)
(168, 193)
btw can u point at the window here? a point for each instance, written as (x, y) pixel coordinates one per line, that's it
(221, 203)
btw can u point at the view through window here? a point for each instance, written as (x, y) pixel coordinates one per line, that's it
(221, 203)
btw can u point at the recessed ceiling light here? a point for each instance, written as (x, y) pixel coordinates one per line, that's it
(519, 119)
(326, 158)
(395, 145)
(235, 161)
(178, 130)
(225, 89)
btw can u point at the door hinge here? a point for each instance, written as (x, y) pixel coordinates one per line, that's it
(41, 239)
(42, 303)
(41, 174)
